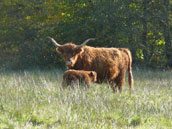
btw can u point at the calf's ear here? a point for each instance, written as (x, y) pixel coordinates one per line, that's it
(91, 74)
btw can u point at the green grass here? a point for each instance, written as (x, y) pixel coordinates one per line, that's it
(34, 99)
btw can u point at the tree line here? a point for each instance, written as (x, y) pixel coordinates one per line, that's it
(143, 26)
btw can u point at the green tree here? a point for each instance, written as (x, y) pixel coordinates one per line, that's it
(143, 26)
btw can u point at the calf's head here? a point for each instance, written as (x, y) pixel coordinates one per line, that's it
(93, 76)
(70, 51)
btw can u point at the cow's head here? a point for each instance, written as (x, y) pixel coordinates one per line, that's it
(70, 51)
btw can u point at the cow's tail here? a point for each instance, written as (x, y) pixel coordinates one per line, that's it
(130, 75)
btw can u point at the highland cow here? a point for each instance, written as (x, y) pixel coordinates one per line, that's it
(72, 77)
(110, 64)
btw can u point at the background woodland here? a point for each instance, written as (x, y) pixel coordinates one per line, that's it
(143, 26)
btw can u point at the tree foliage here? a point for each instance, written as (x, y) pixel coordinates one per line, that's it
(143, 26)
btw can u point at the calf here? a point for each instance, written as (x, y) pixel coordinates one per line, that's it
(71, 77)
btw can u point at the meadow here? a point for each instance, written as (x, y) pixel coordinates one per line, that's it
(34, 99)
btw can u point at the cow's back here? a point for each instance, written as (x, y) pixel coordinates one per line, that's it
(107, 62)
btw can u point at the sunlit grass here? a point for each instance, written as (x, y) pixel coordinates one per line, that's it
(34, 99)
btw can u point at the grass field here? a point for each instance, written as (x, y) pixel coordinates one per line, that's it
(33, 99)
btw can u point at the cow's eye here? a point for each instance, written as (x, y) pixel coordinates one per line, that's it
(74, 54)
(65, 56)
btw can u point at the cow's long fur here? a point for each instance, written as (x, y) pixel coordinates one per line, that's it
(110, 64)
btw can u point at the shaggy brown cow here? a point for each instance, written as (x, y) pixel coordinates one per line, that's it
(110, 64)
(71, 77)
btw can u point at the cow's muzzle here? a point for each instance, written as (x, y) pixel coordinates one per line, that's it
(69, 64)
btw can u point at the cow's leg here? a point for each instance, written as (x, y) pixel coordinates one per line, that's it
(116, 88)
(87, 86)
(121, 80)
(114, 85)
(110, 84)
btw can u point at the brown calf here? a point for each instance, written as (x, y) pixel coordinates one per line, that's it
(110, 64)
(71, 77)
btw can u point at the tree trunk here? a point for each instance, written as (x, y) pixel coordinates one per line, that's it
(168, 41)
(144, 33)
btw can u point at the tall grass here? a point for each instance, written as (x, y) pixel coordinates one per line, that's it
(34, 99)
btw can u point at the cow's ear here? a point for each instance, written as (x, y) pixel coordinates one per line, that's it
(59, 50)
(79, 50)
(91, 74)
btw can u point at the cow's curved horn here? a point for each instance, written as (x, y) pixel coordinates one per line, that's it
(85, 42)
(54, 41)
